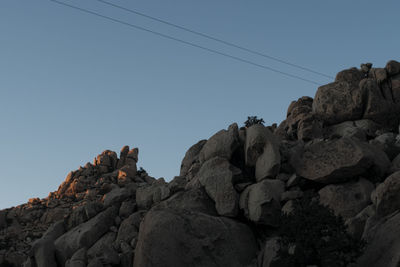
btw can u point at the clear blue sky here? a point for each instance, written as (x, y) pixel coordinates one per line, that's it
(73, 85)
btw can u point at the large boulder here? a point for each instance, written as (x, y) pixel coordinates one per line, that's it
(262, 152)
(222, 144)
(387, 196)
(218, 177)
(338, 102)
(260, 202)
(146, 196)
(379, 105)
(392, 67)
(338, 160)
(300, 121)
(44, 248)
(191, 156)
(383, 243)
(347, 199)
(84, 235)
(180, 238)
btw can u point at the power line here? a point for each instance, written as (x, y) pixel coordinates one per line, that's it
(183, 41)
(215, 39)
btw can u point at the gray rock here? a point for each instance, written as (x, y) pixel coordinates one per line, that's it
(338, 102)
(383, 243)
(396, 164)
(148, 195)
(256, 137)
(338, 160)
(222, 144)
(218, 177)
(270, 251)
(387, 197)
(178, 238)
(346, 129)
(379, 105)
(352, 76)
(392, 68)
(95, 263)
(191, 156)
(84, 235)
(347, 199)
(288, 208)
(44, 248)
(127, 208)
(356, 224)
(98, 247)
(78, 259)
(83, 213)
(268, 164)
(261, 202)
(128, 230)
(388, 143)
(3, 219)
(117, 195)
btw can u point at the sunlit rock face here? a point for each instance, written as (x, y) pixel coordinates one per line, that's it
(225, 208)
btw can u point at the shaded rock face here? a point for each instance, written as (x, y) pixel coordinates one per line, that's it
(225, 207)
(192, 239)
(359, 95)
(336, 160)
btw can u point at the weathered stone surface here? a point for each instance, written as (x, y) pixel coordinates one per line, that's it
(3, 219)
(84, 235)
(98, 247)
(128, 229)
(383, 243)
(262, 151)
(388, 143)
(218, 177)
(148, 195)
(44, 248)
(338, 102)
(356, 224)
(117, 195)
(127, 208)
(379, 105)
(83, 213)
(260, 202)
(193, 200)
(352, 76)
(176, 238)
(347, 199)
(336, 160)
(345, 129)
(270, 252)
(387, 197)
(268, 164)
(392, 67)
(78, 259)
(191, 156)
(222, 144)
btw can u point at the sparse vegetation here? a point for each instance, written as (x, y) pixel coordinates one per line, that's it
(252, 120)
(317, 236)
(141, 171)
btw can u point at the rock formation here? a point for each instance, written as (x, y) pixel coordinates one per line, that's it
(226, 205)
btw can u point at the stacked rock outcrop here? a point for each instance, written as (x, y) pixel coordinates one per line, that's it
(225, 207)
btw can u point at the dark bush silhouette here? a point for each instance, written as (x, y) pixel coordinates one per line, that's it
(317, 236)
(251, 120)
(141, 171)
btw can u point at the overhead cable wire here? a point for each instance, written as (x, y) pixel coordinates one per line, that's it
(215, 39)
(184, 42)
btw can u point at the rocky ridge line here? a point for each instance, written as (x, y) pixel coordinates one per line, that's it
(224, 208)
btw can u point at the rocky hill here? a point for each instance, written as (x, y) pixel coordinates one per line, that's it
(321, 189)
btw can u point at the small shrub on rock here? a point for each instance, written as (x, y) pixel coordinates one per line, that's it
(313, 235)
(252, 120)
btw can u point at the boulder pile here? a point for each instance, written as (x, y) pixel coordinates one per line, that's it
(226, 205)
